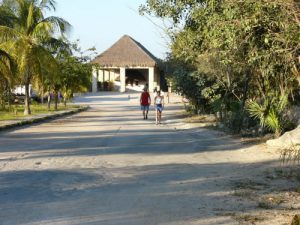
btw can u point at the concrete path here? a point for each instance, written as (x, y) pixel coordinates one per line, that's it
(109, 166)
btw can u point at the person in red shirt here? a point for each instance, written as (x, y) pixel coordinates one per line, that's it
(145, 101)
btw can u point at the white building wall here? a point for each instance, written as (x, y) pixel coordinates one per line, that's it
(122, 79)
(94, 80)
(151, 79)
(111, 74)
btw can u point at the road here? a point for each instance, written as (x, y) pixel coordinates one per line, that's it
(109, 166)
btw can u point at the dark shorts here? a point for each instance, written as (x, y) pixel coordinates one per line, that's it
(145, 107)
(159, 107)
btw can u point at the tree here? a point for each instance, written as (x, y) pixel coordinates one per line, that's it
(248, 49)
(7, 77)
(7, 63)
(26, 39)
(72, 73)
(75, 70)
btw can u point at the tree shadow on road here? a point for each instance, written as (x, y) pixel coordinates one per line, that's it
(152, 194)
(154, 141)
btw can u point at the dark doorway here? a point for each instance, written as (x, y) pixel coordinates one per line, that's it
(136, 77)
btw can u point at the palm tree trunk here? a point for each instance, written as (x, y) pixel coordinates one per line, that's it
(9, 95)
(2, 101)
(2, 93)
(27, 110)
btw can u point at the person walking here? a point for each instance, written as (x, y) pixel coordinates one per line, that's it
(145, 101)
(159, 105)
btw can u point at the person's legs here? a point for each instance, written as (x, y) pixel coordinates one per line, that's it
(143, 110)
(147, 110)
(159, 117)
(156, 116)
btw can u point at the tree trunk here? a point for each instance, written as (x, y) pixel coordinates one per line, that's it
(245, 89)
(42, 96)
(65, 98)
(2, 93)
(9, 96)
(2, 98)
(27, 110)
(49, 99)
(65, 102)
(2, 101)
(247, 79)
(55, 99)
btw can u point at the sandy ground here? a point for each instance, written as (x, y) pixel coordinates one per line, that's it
(109, 166)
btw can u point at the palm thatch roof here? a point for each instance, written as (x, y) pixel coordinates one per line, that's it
(126, 52)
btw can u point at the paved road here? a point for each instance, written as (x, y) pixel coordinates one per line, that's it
(108, 166)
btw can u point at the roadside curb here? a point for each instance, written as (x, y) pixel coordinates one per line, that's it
(43, 118)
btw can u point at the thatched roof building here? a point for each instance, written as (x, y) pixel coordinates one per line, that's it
(126, 52)
(124, 57)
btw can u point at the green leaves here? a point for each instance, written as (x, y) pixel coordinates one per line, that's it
(240, 50)
(24, 34)
(270, 113)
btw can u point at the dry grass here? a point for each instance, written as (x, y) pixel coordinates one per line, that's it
(290, 156)
(252, 219)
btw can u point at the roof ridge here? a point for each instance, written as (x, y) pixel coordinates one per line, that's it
(126, 52)
(111, 46)
(142, 48)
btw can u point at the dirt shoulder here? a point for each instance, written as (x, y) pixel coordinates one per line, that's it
(269, 195)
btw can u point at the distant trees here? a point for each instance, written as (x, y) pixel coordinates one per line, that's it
(241, 56)
(74, 71)
(30, 39)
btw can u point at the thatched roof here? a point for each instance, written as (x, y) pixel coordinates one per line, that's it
(126, 52)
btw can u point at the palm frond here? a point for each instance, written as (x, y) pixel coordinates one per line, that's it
(8, 67)
(43, 30)
(48, 5)
(45, 62)
(273, 122)
(30, 18)
(7, 33)
(14, 47)
(257, 111)
(60, 25)
(283, 102)
(7, 18)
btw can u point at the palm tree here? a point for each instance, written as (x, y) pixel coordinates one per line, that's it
(7, 63)
(7, 72)
(26, 39)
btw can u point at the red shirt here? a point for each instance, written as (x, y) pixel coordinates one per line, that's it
(145, 99)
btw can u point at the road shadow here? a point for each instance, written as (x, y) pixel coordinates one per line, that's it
(126, 195)
(153, 141)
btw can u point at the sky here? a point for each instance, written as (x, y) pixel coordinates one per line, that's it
(100, 23)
